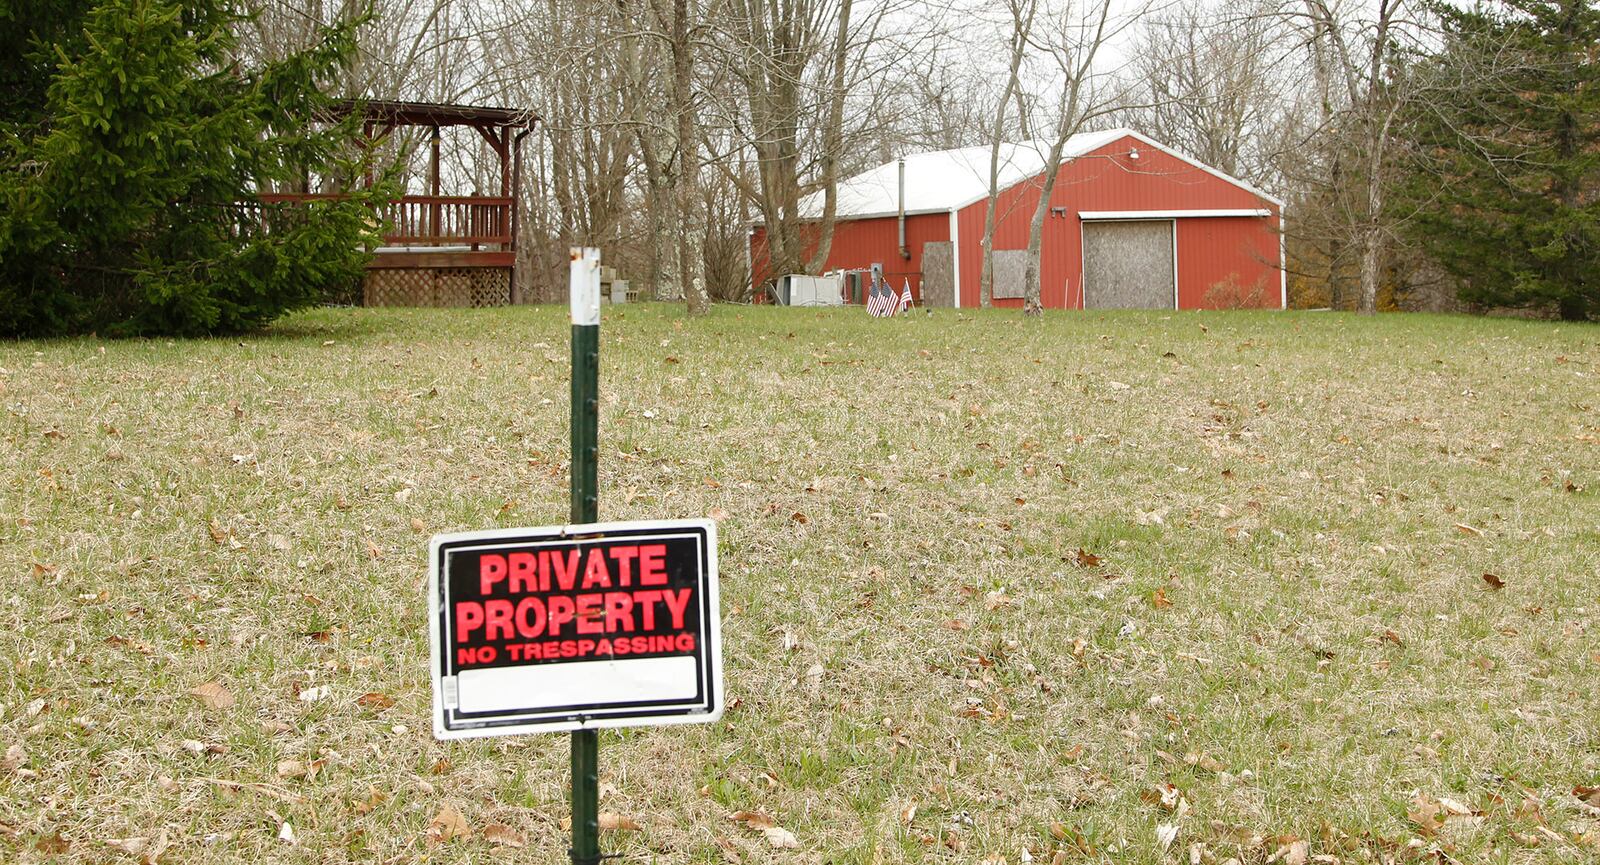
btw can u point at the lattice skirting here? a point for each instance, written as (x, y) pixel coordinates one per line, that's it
(441, 286)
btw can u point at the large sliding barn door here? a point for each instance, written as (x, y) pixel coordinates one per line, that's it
(1129, 265)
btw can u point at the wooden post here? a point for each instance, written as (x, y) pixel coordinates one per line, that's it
(437, 230)
(516, 215)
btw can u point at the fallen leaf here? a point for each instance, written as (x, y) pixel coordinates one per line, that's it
(1295, 853)
(1159, 600)
(753, 819)
(311, 695)
(130, 846)
(418, 526)
(375, 797)
(52, 844)
(1590, 795)
(800, 518)
(375, 700)
(286, 833)
(503, 835)
(1469, 530)
(729, 850)
(1166, 833)
(956, 625)
(1085, 559)
(15, 757)
(291, 769)
(718, 514)
(447, 824)
(1524, 838)
(908, 813)
(1425, 814)
(373, 549)
(780, 838)
(1494, 581)
(610, 821)
(213, 695)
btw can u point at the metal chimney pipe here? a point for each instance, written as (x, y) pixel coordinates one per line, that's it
(905, 253)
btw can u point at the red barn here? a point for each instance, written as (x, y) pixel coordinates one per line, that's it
(1131, 224)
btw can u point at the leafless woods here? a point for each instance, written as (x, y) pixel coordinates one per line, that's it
(668, 127)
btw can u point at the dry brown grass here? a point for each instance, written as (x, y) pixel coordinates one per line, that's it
(1288, 622)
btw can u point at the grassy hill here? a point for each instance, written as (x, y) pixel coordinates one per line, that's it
(1288, 585)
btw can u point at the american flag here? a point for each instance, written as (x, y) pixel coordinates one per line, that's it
(880, 300)
(905, 298)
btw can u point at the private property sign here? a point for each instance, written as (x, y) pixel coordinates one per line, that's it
(574, 627)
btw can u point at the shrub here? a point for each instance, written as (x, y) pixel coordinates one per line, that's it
(133, 143)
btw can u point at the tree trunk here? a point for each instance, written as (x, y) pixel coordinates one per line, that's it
(1371, 258)
(1031, 303)
(691, 221)
(1069, 119)
(833, 142)
(663, 241)
(1021, 26)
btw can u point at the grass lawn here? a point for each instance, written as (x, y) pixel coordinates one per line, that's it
(1106, 587)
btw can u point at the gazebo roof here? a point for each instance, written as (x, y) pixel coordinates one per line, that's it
(434, 114)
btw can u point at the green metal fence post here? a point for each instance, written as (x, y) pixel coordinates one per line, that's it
(585, 293)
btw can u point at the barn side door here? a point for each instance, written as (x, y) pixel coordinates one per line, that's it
(1129, 265)
(938, 273)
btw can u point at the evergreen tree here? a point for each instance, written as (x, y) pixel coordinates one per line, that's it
(133, 143)
(1504, 183)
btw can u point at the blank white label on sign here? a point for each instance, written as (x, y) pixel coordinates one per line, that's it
(502, 689)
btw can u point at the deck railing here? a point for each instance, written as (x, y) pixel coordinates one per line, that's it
(432, 220)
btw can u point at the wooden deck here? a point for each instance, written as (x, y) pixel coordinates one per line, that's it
(432, 231)
(438, 250)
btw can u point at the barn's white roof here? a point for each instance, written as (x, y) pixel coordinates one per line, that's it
(952, 179)
(947, 179)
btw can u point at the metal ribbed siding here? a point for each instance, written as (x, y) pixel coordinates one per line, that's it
(859, 243)
(1210, 249)
(1240, 252)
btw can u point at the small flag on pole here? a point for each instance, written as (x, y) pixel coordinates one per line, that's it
(905, 298)
(880, 300)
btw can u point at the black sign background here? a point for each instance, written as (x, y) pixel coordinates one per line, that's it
(686, 565)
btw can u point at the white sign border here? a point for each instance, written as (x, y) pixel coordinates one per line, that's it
(713, 647)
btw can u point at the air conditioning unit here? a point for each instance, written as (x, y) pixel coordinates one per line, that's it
(798, 289)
